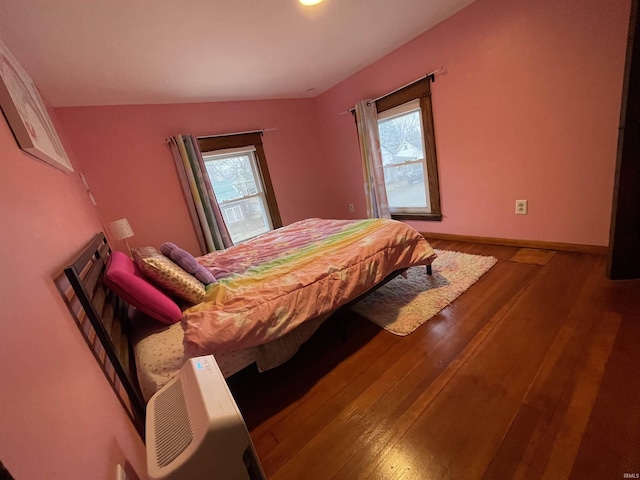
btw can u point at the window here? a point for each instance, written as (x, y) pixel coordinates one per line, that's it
(240, 180)
(407, 142)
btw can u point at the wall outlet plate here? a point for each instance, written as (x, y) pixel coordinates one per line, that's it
(521, 207)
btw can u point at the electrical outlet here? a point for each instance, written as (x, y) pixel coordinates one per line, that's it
(521, 207)
(351, 209)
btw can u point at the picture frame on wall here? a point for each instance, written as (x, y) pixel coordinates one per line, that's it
(27, 115)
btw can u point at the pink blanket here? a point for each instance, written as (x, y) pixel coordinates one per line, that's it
(271, 284)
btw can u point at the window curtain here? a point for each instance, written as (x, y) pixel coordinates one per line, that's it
(368, 137)
(203, 207)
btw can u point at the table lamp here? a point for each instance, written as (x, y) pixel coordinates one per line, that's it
(121, 230)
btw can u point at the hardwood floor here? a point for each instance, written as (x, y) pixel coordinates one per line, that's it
(532, 373)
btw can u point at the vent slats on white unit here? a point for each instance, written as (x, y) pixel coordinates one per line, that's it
(172, 424)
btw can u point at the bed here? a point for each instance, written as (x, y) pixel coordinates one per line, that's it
(269, 296)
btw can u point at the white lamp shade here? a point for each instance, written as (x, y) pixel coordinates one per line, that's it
(121, 229)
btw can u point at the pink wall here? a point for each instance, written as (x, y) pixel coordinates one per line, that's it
(58, 415)
(529, 109)
(131, 172)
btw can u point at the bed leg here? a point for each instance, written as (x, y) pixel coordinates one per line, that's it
(429, 271)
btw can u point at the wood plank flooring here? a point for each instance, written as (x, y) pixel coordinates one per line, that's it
(532, 373)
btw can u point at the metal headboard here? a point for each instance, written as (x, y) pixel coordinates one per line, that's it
(102, 318)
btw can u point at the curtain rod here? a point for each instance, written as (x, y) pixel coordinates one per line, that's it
(436, 73)
(261, 132)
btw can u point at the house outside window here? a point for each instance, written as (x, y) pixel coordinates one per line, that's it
(239, 178)
(407, 143)
(234, 214)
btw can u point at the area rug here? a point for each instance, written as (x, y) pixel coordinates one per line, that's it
(403, 304)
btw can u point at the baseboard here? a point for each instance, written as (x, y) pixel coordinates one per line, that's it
(510, 242)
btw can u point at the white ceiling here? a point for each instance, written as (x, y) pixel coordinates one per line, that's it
(116, 52)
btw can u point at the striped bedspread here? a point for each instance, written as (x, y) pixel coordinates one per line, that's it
(271, 284)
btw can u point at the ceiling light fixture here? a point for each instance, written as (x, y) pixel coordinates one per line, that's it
(308, 3)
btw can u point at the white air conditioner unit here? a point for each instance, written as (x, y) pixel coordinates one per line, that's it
(195, 431)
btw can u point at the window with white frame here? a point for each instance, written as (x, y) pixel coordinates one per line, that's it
(403, 158)
(241, 185)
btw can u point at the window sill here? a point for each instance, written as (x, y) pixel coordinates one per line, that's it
(429, 217)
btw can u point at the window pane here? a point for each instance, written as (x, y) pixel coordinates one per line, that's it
(245, 218)
(406, 186)
(404, 160)
(232, 176)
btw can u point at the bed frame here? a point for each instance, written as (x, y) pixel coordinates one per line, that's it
(103, 319)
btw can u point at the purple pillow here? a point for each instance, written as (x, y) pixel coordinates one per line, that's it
(123, 277)
(187, 262)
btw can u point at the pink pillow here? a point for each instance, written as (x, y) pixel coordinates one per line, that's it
(123, 277)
